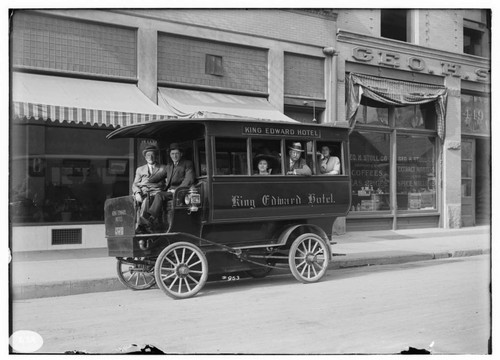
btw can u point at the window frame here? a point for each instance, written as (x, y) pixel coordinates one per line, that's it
(394, 132)
(284, 143)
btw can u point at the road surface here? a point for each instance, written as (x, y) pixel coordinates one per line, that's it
(440, 305)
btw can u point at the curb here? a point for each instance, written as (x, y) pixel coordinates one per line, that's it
(66, 288)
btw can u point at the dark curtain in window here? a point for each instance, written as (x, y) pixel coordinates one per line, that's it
(393, 93)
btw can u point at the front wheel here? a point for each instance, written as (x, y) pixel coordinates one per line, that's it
(308, 258)
(181, 270)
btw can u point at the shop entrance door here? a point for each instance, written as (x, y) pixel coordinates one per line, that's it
(483, 181)
(476, 181)
(468, 182)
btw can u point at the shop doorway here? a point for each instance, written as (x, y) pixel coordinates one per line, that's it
(483, 181)
(476, 181)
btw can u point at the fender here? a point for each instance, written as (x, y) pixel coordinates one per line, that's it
(289, 234)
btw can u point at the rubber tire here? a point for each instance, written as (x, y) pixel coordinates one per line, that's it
(307, 244)
(146, 285)
(180, 265)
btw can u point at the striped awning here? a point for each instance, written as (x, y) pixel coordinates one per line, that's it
(93, 102)
(193, 104)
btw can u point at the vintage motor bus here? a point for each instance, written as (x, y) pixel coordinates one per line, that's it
(232, 219)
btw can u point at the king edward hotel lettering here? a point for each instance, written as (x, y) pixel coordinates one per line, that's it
(279, 131)
(311, 199)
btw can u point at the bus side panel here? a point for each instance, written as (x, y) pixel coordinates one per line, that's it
(280, 198)
(257, 233)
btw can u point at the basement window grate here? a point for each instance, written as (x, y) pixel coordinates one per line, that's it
(66, 236)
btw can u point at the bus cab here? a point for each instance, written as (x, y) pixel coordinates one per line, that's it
(241, 213)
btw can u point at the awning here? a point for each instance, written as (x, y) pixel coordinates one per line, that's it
(193, 104)
(393, 93)
(84, 101)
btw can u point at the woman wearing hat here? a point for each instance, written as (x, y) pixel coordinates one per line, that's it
(296, 165)
(264, 164)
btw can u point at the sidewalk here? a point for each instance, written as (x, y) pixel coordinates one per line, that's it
(59, 273)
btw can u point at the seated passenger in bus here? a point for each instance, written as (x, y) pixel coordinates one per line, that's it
(178, 173)
(296, 165)
(144, 187)
(264, 164)
(328, 164)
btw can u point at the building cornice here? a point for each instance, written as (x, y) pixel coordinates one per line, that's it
(326, 14)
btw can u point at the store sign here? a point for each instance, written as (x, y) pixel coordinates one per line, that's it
(418, 64)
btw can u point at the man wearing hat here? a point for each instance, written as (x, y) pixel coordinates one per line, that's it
(178, 173)
(295, 165)
(143, 187)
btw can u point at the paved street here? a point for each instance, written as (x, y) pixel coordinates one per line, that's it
(375, 309)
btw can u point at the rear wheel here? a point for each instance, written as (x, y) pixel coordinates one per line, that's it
(136, 273)
(308, 258)
(181, 270)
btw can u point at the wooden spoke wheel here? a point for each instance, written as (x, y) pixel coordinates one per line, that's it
(181, 270)
(308, 258)
(135, 273)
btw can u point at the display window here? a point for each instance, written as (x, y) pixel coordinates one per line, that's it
(416, 173)
(475, 115)
(370, 170)
(64, 174)
(412, 160)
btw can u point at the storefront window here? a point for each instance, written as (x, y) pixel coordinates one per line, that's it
(416, 172)
(370, 164)
(476, 117)
(66, 173)
(370, 151)
(416, 117)
(372, 116)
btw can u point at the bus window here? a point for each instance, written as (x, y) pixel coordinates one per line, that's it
(268, 150)
(299, 159)
(202, 157)
(231, 156)
(329, 155)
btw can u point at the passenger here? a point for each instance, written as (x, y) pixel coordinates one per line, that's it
(143, 187)
(329, 165)
(264, 164)
(179, 173)
(296, 165)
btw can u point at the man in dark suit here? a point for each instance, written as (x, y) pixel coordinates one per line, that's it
(294, 163)
(178, 173)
